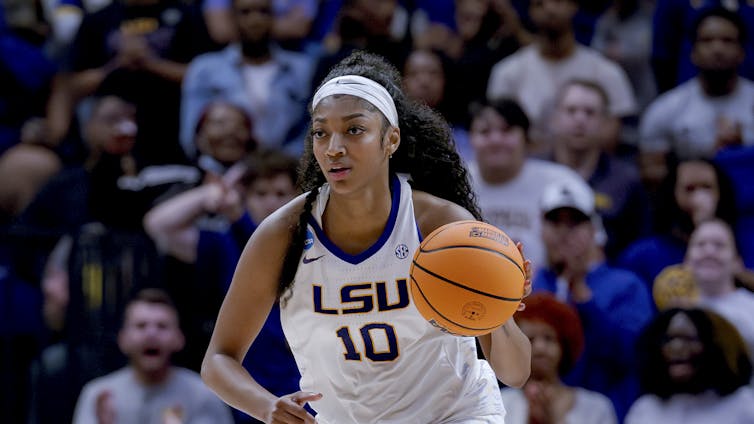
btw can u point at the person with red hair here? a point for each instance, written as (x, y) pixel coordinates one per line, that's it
(557, 341)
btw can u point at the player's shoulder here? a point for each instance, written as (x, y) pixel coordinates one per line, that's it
(432, 212)
(279, 223)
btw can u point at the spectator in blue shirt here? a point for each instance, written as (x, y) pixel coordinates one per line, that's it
(613, 304)
(270, 83)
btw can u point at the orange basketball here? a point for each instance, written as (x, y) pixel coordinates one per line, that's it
(467, 278)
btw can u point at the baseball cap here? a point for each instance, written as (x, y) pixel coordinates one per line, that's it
(572, 194)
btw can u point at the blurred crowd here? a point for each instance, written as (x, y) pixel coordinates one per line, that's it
(142, 142)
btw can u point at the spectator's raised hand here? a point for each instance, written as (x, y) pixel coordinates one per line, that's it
(134, 52)
(173, 415)
(540, 400)
(105, 411)
(703, 204)
(35, 131)
(729, 133)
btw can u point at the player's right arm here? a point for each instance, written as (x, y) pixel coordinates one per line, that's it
(244, 311)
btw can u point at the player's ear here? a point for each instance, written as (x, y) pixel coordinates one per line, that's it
(393, 138)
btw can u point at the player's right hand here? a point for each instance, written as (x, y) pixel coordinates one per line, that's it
(289, 409)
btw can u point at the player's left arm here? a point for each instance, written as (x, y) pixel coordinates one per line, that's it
(509, 353)
(507, 348)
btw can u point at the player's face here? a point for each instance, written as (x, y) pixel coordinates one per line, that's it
(497, 145)
(546, 351)
(712, 255)
(579, 118)
(717, 47)
(266, 195)
(681, 348)
(224, 134)
(150, 335)
(351, 143)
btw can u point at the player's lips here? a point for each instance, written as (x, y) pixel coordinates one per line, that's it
(339, 173)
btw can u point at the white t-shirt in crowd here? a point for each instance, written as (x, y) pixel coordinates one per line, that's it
(533, 80)
(258, 80)
(704, 408)
(685, 119)
(183, 394)
(738, 308)
(588, 408)
(514, 205)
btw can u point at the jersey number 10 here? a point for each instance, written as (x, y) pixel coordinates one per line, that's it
(367, 332)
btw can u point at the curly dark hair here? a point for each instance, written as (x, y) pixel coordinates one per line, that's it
(427, 153)
(724, 364)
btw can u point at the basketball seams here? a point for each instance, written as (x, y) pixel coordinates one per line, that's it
(459, 285)
(442, 229)
(427, 302)
(445, 257)
(469, 246)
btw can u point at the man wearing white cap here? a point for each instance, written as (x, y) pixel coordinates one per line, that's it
(613, 304)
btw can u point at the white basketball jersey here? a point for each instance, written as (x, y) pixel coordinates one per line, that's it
(359, 341)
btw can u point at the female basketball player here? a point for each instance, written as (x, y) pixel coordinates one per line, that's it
(338, 260)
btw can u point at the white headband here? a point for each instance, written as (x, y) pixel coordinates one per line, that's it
(363, 88)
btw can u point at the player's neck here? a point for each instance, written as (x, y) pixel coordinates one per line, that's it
(366, 203)
(354, 223)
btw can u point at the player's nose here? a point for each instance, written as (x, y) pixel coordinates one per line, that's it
(335, 147)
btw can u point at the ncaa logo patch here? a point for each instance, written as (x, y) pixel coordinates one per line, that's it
(401, 252)
(309, 241)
